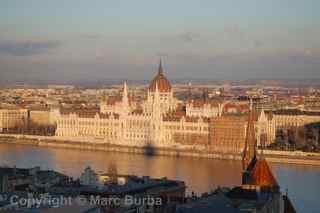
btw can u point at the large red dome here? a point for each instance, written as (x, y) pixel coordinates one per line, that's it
(160, 80)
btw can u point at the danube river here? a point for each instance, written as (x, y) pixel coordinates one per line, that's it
(200, 175)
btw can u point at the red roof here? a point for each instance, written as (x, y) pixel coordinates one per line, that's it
(198, 103)
(160, 80)
(261, 174)
(112, 100)
(163, 84)
(179, 114)
(238, 107)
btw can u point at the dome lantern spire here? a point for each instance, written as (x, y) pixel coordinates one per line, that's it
(160, 69)
(161, 80)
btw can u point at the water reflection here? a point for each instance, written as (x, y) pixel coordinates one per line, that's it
(200, 175)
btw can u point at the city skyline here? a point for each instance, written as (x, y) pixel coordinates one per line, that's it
(178, 106)
(77, 40)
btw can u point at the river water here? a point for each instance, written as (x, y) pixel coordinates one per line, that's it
(200, 175)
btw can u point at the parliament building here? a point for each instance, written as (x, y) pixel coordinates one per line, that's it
(161, 120)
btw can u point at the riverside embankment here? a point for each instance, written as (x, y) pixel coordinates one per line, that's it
(51, 141)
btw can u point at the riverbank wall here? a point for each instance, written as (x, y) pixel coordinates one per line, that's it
(51, 141)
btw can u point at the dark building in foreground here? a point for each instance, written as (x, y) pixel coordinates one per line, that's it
(92, 193)
(259, 192)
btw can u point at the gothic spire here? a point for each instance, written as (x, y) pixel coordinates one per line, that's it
(160, 69)
(263, 137)
(125, 99)
(249, 152)
(156, 94)
(156, 102)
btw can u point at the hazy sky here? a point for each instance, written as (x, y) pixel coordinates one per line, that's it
(75, 40)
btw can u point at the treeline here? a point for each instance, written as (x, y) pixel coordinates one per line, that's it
(303, 139)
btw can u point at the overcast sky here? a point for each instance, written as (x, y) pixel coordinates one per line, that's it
(123, 39)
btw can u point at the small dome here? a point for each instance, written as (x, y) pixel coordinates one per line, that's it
(160, 80)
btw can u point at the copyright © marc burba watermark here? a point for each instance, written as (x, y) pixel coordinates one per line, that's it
(31, 201)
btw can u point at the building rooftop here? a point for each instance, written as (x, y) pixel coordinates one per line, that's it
(261, 174)
(295, 112)
(161, 81)
(212, 203)
(235, 200)
(201, 102)
(134, 185)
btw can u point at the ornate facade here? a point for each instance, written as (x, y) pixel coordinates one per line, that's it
(295, 118)
(159, 121)
(12, 118)
(203, 108)
(228, 133)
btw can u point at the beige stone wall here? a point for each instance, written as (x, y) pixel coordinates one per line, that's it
(11, 118)
(227, 134)
(284, 121)
(205, 111)
(40, 117)
(167, 102)
(186, 133)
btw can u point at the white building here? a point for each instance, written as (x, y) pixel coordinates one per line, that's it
(13, 118)
(160, 121)
(203, 108)
(122, 121)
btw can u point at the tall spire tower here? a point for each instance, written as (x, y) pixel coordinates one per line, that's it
(125, 99)
(164, 85)
(156, 116)
(160, 69)
(256, 171)
(156, 101)
(250, 147)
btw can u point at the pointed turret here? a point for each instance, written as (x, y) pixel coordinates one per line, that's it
(156, 115)
(249, 152)
(156, 95)
(256, 171)
(261, 174)
(125, 99)
(160, 69)
(156, 103)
